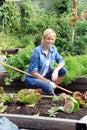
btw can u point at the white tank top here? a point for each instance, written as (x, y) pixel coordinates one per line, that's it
(46, 68)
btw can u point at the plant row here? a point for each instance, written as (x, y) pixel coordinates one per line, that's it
(31, 97)
(75, 65)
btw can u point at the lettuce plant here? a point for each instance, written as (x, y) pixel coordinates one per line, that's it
(28, 96)
(68, 107)
(70, 104)
(62, 96)
(53, 111)
(81, 98)
(4, 97)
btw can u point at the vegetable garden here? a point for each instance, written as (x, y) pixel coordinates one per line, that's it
(21, 27)
(49, 106)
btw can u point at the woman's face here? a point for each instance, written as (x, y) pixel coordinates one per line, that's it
(49, 41)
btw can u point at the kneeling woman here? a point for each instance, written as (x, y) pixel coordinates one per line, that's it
(44, 77)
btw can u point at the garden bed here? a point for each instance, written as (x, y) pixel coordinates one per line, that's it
(37, 117)
(41, 109)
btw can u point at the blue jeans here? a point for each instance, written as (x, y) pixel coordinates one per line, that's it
(46, 87)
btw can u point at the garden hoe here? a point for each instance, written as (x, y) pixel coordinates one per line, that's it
(23, 72)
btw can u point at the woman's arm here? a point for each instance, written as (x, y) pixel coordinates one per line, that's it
(60, 66)
(39, 76)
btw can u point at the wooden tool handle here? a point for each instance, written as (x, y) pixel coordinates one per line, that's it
(23, 72)
(66, 90)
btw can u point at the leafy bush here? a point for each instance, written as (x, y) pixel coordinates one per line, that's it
(63, 46)
(8, 41)
(10, 18)
(61, 6)
(79, 46)
(81, 27)
(24, 24)
(76, 66)
(20, 61)
(80, 39)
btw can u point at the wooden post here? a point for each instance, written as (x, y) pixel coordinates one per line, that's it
(75, 13)
(75, 8)
(85, 14)
(75, 18)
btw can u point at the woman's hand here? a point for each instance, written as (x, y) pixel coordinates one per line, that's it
(52, 84)
(55, 74)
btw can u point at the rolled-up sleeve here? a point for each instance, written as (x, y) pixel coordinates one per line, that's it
(59, 58)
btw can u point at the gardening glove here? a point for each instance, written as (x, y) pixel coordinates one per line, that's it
(55, 74)
(52, 84)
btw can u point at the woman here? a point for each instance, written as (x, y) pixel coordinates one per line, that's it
(44, 76)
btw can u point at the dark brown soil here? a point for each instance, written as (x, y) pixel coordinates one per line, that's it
(41, 109)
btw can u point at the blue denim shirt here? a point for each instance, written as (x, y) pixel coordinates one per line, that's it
(38, 61)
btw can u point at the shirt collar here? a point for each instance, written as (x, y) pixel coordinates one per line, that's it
(42, 48)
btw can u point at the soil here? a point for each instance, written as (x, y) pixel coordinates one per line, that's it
(41, 109)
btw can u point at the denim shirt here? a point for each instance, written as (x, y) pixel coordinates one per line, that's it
(38, 61)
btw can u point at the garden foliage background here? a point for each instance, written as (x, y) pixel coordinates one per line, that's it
(22, 24)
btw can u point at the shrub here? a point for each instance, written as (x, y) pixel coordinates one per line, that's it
(76, 66)
(20, 61)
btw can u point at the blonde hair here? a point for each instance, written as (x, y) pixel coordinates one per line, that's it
(48, 33)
